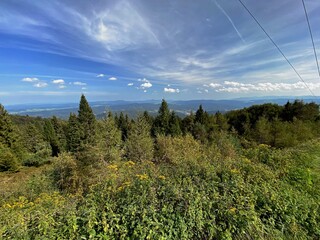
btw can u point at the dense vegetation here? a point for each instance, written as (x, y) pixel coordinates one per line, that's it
(248, 174)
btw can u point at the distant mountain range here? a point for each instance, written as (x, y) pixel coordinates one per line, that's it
(133, 108)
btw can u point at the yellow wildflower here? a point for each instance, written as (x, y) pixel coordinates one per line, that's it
(130, 163)
(142, 176)
(234, 170)
(232, 210)
(113, 167)
(162, 177)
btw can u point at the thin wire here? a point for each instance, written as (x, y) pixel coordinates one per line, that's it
(311, 35)
(277, 47)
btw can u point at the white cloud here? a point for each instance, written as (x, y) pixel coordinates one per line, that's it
(84, 88)
(144, 90)
(28, 79)
(121, 27)
(213, 85)
(206, 90)
(143, 80)
(40, 85)
(58, 81)
(79, 83)
(61, 86)
(130, 84)
(237, 87)
(171, 90)
(146, 83)
(113, 79)
(100, 75)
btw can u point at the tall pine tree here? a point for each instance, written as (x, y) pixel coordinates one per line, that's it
(87, 122)
(161, 123)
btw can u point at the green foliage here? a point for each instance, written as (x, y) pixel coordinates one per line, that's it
(254, 195)
(110, 142)
(139, 145)
(178, 150)
(8, 161)
(59, 128)
(35, 160)
(73, 134)
(87, 121)
(161, 122)
(51, 138)
(7, 136)
(200, 185)
(124, 125)
(65, 173)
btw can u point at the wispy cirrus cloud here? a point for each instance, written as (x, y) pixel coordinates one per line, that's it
(190, 45)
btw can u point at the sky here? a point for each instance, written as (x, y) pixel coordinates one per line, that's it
(53, 51)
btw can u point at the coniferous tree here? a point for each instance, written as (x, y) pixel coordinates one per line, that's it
(51, 138)
(161, 122)
(123, 125)
(59, 126)
(174, 125)
(8, 160)
(87, 122)
(7, 137)
(201, 116)
(32, 138)
(111, 141)
(148, 118)
(221, 121)
(188, 123)
(73, 133)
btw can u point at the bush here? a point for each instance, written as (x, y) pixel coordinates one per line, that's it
(65, 173)
(139, 145)
(35, 161)
(178, 150)
(8, 161)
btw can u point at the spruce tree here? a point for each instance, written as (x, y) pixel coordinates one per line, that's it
(201, 116)
(174, 125)
(59, 128)
(73, 133)
(161, 123)
(123, 124)
(7, 137)
(8, 160)
(87, 122)
(51, 138)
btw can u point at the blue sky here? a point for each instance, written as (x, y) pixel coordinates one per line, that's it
(52, 51)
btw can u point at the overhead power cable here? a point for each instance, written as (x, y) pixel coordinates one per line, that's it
(284, 56)
(311, 35)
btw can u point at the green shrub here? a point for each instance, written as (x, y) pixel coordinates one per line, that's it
(65, 173)
(178, 150)
(8, 161)
(35, 161)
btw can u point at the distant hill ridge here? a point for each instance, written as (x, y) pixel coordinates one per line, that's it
(133, 108)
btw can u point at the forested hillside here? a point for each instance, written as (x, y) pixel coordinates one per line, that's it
(252, 173)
